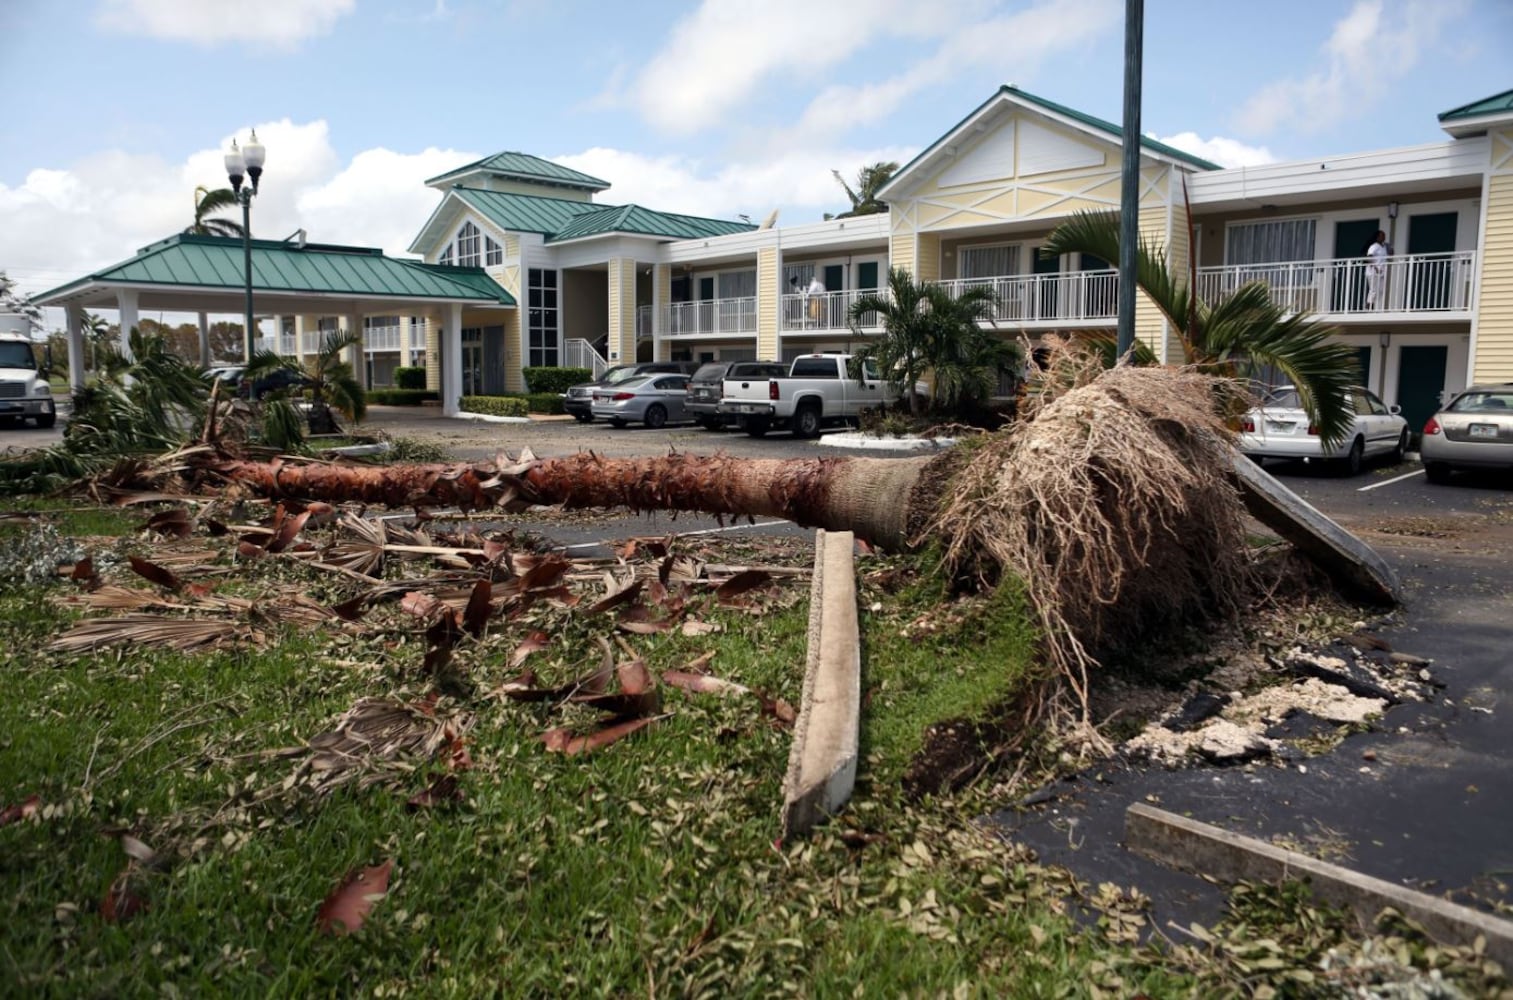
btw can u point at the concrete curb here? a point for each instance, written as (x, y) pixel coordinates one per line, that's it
(822, 760)
(489, 418)
(890, 443)
(1202, 849)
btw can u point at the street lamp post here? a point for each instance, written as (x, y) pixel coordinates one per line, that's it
(246, 161)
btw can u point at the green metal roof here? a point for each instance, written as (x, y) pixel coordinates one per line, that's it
(524, 213)
(525, 167)
(646, 222)
(1494, 105)
(215, 262)
(1086, 119)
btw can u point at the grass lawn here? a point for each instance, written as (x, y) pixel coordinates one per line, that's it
(648, 866)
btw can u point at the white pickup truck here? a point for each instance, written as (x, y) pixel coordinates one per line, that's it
(24, 392)
(819, 389)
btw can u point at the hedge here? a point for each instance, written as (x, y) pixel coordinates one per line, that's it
(544, 402)
(410, 377)
(496, 406)
(556, 379)
(401, 397)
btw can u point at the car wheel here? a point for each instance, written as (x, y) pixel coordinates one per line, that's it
(616, 422)
(46, 420)
(656, 416)
(8, 421)
(1401, 450)
(806, 422)
(1437, 472)
(757, 426)
(711, 423)
(584, 418)
(1351, 464)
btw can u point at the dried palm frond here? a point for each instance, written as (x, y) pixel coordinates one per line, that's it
(378, 739)
(153, 630)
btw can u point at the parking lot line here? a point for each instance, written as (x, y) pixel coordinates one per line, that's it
(1394, 479)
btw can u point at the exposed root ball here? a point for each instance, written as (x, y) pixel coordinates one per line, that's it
(1114, 506)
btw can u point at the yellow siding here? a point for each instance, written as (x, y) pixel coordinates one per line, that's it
(514, 377)
(511, 246)
(901, 251)
(661, 295)
(622, 309)
(433, 354)
(927, 266)
(1150, 325)
(767, 304)
(1494, 318)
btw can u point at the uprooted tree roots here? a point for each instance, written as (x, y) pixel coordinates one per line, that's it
(1112, 503)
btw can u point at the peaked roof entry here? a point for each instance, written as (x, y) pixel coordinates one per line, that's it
(1008, 94)
(1473, 119)
(522, 167)
(206, 265)
(639, 221)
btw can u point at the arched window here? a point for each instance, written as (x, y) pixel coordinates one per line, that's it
(469, 246)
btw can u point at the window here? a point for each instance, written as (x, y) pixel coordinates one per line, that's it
(737, 284)
(989, 262)
(446, 256)
(493, 252)
(541, 318)
(1278, 242)
(468, 242)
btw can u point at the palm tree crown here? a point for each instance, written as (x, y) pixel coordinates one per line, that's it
(207, 201)
(869, 180)
(1235, 335)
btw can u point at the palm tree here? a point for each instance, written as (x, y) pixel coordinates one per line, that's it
(97, 334)
(207, 201)
(869, 180)
(926, 329)
(1235, 335)
(329, 380)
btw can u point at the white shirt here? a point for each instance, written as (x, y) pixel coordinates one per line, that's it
(1376, 258)
(816, 286)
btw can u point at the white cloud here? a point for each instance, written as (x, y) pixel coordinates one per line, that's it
(61, 223)
(1223, 151)
(1369, 47)
(718, 58)
(1023, 40)
(280, 24)
(796, 180)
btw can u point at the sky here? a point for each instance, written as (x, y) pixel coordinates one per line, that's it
(115, 110)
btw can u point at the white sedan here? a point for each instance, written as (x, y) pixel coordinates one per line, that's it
(1279, 428)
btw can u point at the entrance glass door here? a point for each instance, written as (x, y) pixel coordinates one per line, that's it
(472, 361)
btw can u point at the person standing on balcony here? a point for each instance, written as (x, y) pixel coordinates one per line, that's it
(1376, 271)
(816, 293)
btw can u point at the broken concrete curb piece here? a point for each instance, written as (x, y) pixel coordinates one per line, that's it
(1191, 846)
(1350, 562)
(822, 760)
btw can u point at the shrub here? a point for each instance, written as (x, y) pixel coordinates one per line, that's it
(545, 402)
(410, 377)
(401, 397)
(555, 379)
(495, 406)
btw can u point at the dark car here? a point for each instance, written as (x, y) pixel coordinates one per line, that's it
(579, 399)
(273, 381)
(707, 386)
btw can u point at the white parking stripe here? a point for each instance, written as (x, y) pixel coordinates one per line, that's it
(1394, 479)
(690, 534)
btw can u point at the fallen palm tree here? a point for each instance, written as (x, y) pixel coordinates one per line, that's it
(1112, 504)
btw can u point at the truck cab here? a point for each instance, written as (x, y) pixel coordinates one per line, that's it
(24, 391)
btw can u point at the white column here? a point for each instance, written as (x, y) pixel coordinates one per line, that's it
(358, 356)
(451, 360)
(204, 340)
(126, 304)
(75, 313)
(660, 276)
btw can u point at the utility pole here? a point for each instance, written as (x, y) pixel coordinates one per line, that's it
(1129, 177)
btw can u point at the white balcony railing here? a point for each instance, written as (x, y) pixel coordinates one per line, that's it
(1080, 296)
(823, 311)
(581, 354)
(285, 344)
(310, 341)
(710, 316)
(644, 316)
(1435, 283)
(381, 338)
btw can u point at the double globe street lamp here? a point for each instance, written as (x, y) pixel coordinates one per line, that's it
(246, 162)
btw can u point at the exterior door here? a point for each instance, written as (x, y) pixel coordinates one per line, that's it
(1420, 381)
(867, 275)
(1432, 278)
(1045, 301)
(1363, 366)
(1100, 296)
(472, 362)
(1347, 285)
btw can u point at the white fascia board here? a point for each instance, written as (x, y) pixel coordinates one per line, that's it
(1467, 127)
(858, 232)
(735, 246)
(599, 250)
(449, 202)
(1462, 160)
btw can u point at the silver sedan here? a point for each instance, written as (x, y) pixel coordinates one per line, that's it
(653, 400)
(1474, 431)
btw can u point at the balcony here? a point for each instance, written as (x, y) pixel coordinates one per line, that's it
(381, 338)
(1078, 297)
(823, 311)
(1429, 286)
(708, 318)
(285, 344)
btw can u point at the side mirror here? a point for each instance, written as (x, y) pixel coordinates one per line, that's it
(1394, 409)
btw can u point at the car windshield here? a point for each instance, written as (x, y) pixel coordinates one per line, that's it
(712, 372)
(1285, 398)
(633, 382)
(15, 354)
(617, 375)
(1495, 401)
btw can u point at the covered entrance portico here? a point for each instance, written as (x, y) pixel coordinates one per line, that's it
(203, 275)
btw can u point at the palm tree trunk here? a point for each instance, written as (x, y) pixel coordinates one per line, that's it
(885, 501)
